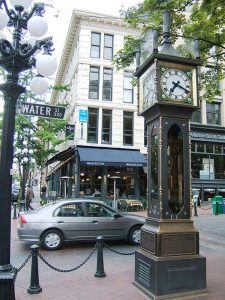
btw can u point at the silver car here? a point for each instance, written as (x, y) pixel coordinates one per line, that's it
(77, 220)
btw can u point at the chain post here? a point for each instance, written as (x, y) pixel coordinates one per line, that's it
(34, 287)
(14, 210)
(195, 209)
(100, 263)
(22, 205)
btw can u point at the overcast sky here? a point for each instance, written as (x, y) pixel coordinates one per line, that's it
(59, 26)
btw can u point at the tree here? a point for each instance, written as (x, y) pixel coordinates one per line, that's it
(191, 19)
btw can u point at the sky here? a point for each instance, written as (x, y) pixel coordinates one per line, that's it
(58, 18)
(59, 26)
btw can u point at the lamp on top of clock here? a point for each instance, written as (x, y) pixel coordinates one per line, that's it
(168, 263)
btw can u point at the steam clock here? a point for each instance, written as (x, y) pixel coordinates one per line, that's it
(168, 263)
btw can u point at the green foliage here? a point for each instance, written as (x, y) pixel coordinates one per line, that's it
(126, 56)
(61, 88)
(204, 20)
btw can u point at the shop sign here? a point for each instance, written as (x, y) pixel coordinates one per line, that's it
(207, 136)
(70, 128)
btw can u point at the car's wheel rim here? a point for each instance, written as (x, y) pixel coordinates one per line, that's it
(52, 240)
(136, 236)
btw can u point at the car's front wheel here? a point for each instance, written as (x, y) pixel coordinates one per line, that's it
(135, 235)
(52, 239)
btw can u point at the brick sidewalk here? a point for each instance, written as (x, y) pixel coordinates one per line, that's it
(118, 283)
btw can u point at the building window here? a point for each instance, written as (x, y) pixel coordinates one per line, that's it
(95, 44)
(108, 46)
(196, 116)
(92, 128)
(94, 83)
(213, 113)
(106, 126)
(127, 87)
(128, 128)
(107, 84)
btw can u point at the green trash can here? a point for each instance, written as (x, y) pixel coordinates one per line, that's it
(218, 199)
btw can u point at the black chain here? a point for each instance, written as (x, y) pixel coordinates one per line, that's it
(117, 252)
(205, 208)
(24, 263)
(68, 270)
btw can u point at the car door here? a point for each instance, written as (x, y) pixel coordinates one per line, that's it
(102, 222)
(71, 221)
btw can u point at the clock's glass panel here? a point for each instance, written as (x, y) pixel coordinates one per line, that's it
(175, 169)
(154, 170)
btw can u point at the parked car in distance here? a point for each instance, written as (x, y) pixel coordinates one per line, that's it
(77, 220)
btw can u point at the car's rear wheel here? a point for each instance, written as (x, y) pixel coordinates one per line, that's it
(135, 235)
(52, 239)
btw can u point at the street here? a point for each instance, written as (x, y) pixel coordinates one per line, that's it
(118, 283)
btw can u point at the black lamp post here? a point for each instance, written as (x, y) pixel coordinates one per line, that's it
(24, 156)
(15, 57)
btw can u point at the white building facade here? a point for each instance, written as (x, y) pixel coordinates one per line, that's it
(109, 135)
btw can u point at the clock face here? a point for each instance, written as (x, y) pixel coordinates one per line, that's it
(149, 90)
(176, 84)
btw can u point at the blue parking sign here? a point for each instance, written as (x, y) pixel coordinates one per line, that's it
(83, 115)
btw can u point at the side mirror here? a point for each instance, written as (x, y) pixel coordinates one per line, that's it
(116, 216)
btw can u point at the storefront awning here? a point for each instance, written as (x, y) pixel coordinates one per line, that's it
(111, 157)
(62, 156)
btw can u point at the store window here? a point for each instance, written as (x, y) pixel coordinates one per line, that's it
(128, 128)
(208, 161)
(94, 83)
(213, 113)
(106, 126)
(95, 44)
(92, 126)
(90, 181)
(127, 87)
(107, 84)
(108, 46)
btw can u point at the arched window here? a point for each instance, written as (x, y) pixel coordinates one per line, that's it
(175, 169)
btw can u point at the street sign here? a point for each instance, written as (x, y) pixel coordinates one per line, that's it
(83, 115)
(40, 110)
(70, 131)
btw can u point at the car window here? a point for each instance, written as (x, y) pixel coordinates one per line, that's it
(97, 210)
(70, 210)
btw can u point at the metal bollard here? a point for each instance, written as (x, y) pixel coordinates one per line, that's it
(100, 263)
(34, 287)
(217, 208)
(195, 210)
(14, 210)
(22, 205)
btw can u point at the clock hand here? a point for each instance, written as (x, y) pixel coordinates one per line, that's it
(175, 84)
(181, 87)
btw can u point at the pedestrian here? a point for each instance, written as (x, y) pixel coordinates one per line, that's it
(43, 195)
(29, 197)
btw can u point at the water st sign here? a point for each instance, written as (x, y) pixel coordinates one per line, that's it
(83, 115)
(40, 110)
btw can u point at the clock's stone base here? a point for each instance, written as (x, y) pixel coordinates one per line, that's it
(170, 277)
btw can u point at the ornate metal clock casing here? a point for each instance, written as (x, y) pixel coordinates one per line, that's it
(168, 264)
(168, 82)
